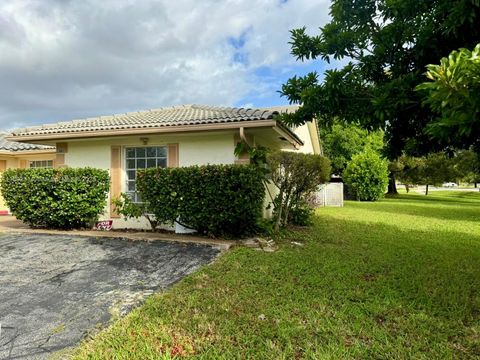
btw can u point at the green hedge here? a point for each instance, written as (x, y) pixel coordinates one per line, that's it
(216, 200)
(56, 198)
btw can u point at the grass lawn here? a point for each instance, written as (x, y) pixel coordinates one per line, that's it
(399, 278)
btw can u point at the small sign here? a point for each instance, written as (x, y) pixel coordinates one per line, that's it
(104, 225)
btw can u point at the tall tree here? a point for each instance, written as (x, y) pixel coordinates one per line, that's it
(389, 44)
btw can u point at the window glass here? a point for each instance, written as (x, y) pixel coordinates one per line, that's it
(138, 158)
(47, 164)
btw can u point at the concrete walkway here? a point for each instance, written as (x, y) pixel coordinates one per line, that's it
(11, 225)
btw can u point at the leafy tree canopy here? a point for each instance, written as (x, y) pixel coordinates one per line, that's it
(342, 141)
(389, 44)
(454, 93)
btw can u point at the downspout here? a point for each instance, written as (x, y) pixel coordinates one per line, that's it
(242, 135)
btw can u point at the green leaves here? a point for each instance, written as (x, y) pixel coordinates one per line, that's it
(296, 176)
(216, 200)
(366, 176)
(56, 198)
(454, 94)
(389, 44)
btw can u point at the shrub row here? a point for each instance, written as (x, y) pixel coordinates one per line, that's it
(56, 198)
(217, 200)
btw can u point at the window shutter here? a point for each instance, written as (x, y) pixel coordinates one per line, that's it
(172, 155)
(23, 164)
(115, 177)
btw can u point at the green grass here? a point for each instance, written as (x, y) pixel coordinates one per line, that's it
(396, 279)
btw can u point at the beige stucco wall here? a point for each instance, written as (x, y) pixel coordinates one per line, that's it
(194, 149)
(304, 134)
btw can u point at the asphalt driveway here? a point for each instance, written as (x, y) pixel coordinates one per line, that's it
(54, 289)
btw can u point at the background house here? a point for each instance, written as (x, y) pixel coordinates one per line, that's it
(171, 136)
(23, 155)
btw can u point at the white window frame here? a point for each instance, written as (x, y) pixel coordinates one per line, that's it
(128, 169)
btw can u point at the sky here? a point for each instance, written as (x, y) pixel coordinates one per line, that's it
(69, 59)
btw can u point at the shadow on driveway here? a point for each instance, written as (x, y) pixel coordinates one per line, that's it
(55, 288)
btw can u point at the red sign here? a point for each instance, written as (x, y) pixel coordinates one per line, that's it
(104, 225)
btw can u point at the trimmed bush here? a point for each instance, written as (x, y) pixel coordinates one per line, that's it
(366, 176)
(296, 175)
(216, 200)
(56, 198)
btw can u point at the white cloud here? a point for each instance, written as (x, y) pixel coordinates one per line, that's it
(63, 59)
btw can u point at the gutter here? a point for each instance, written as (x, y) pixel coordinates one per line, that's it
(86, 134)
(26, 152)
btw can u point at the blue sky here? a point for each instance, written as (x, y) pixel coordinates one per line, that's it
(63, 60)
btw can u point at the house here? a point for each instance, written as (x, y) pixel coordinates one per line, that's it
(170, 136)
(18, 155)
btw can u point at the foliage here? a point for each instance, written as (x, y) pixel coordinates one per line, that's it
(410, 170)
(361, 264)
(216, 200)
(366, 176)
(438, 169)
(256, 154)
(64, 198)
(433, 169)
(389, 44)
(342, 141)
(296, 175)
(125, 206)
(454, 94)
(301, 214)
(468, 166)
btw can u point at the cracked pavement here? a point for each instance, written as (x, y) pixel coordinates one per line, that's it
(55, 289)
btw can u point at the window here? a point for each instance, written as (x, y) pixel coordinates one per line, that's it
(138, 158)
(48, 164)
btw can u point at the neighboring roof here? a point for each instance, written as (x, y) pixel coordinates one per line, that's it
(183, 115)
(284, 108)
(7, 145)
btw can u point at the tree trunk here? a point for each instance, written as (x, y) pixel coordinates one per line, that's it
(392, 185)
(407, 188)
(475, 184)
(279, 212)
(426, 189)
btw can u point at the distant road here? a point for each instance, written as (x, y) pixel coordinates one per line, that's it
(421, 189)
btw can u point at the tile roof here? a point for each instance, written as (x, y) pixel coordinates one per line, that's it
(7, 145)
(156, 118)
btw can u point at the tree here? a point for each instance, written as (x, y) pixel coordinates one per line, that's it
(433, 169)
(454, 93)
(468, 166)
(296, 175)
(389, 44)
(437, 170)
(342, 141)
(410, 170)
(366, 176)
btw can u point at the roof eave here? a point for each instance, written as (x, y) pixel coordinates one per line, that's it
(27, 152)
(289, 135)
(144, 131)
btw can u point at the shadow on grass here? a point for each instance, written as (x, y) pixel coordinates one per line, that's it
(443, 198)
